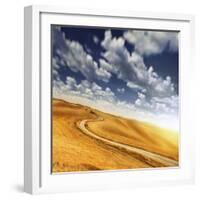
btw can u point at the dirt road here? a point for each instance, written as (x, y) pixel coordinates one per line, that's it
(149, 157)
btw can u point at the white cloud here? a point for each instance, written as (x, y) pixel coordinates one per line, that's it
(157, 99)
(168, 105)
(132, 69)
(171, 102)
(88, 50)
(133, 85)
(112, 43)
(156, 95)
(141, 96)
(152, 42)
(92, 95)
(121, 90)
(86, 89)
(95, 39)
(55, 67)
(105, 65)
(73, 55)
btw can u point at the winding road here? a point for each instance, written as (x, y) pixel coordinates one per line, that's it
(149, 157)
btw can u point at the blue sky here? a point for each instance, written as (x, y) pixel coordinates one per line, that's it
(134, 70)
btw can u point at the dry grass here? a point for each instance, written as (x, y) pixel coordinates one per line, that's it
(137, 134)
(74, 151)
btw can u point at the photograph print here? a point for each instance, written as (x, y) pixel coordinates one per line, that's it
(115, 98)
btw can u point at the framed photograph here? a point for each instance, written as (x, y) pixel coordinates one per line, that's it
(107, 99)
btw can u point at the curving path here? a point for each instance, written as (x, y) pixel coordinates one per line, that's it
(148, 156)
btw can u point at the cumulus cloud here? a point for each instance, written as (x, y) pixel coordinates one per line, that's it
(132, 69)
(95, 39)
(55, 68)
(168, 105)
(152, 42)
(86, 89)
(73, 55)
(156, 95)
(93, 95)
(121, 90)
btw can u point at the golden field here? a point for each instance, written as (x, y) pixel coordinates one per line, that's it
(106, 142)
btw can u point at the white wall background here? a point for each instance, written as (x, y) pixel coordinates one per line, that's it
(11, 100)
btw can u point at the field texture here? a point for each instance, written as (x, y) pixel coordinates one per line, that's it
(85, 139)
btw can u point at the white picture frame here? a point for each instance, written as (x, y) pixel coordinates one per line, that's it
(37, 138)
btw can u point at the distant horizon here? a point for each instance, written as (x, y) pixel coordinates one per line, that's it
(125, 72)
(115, 112)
